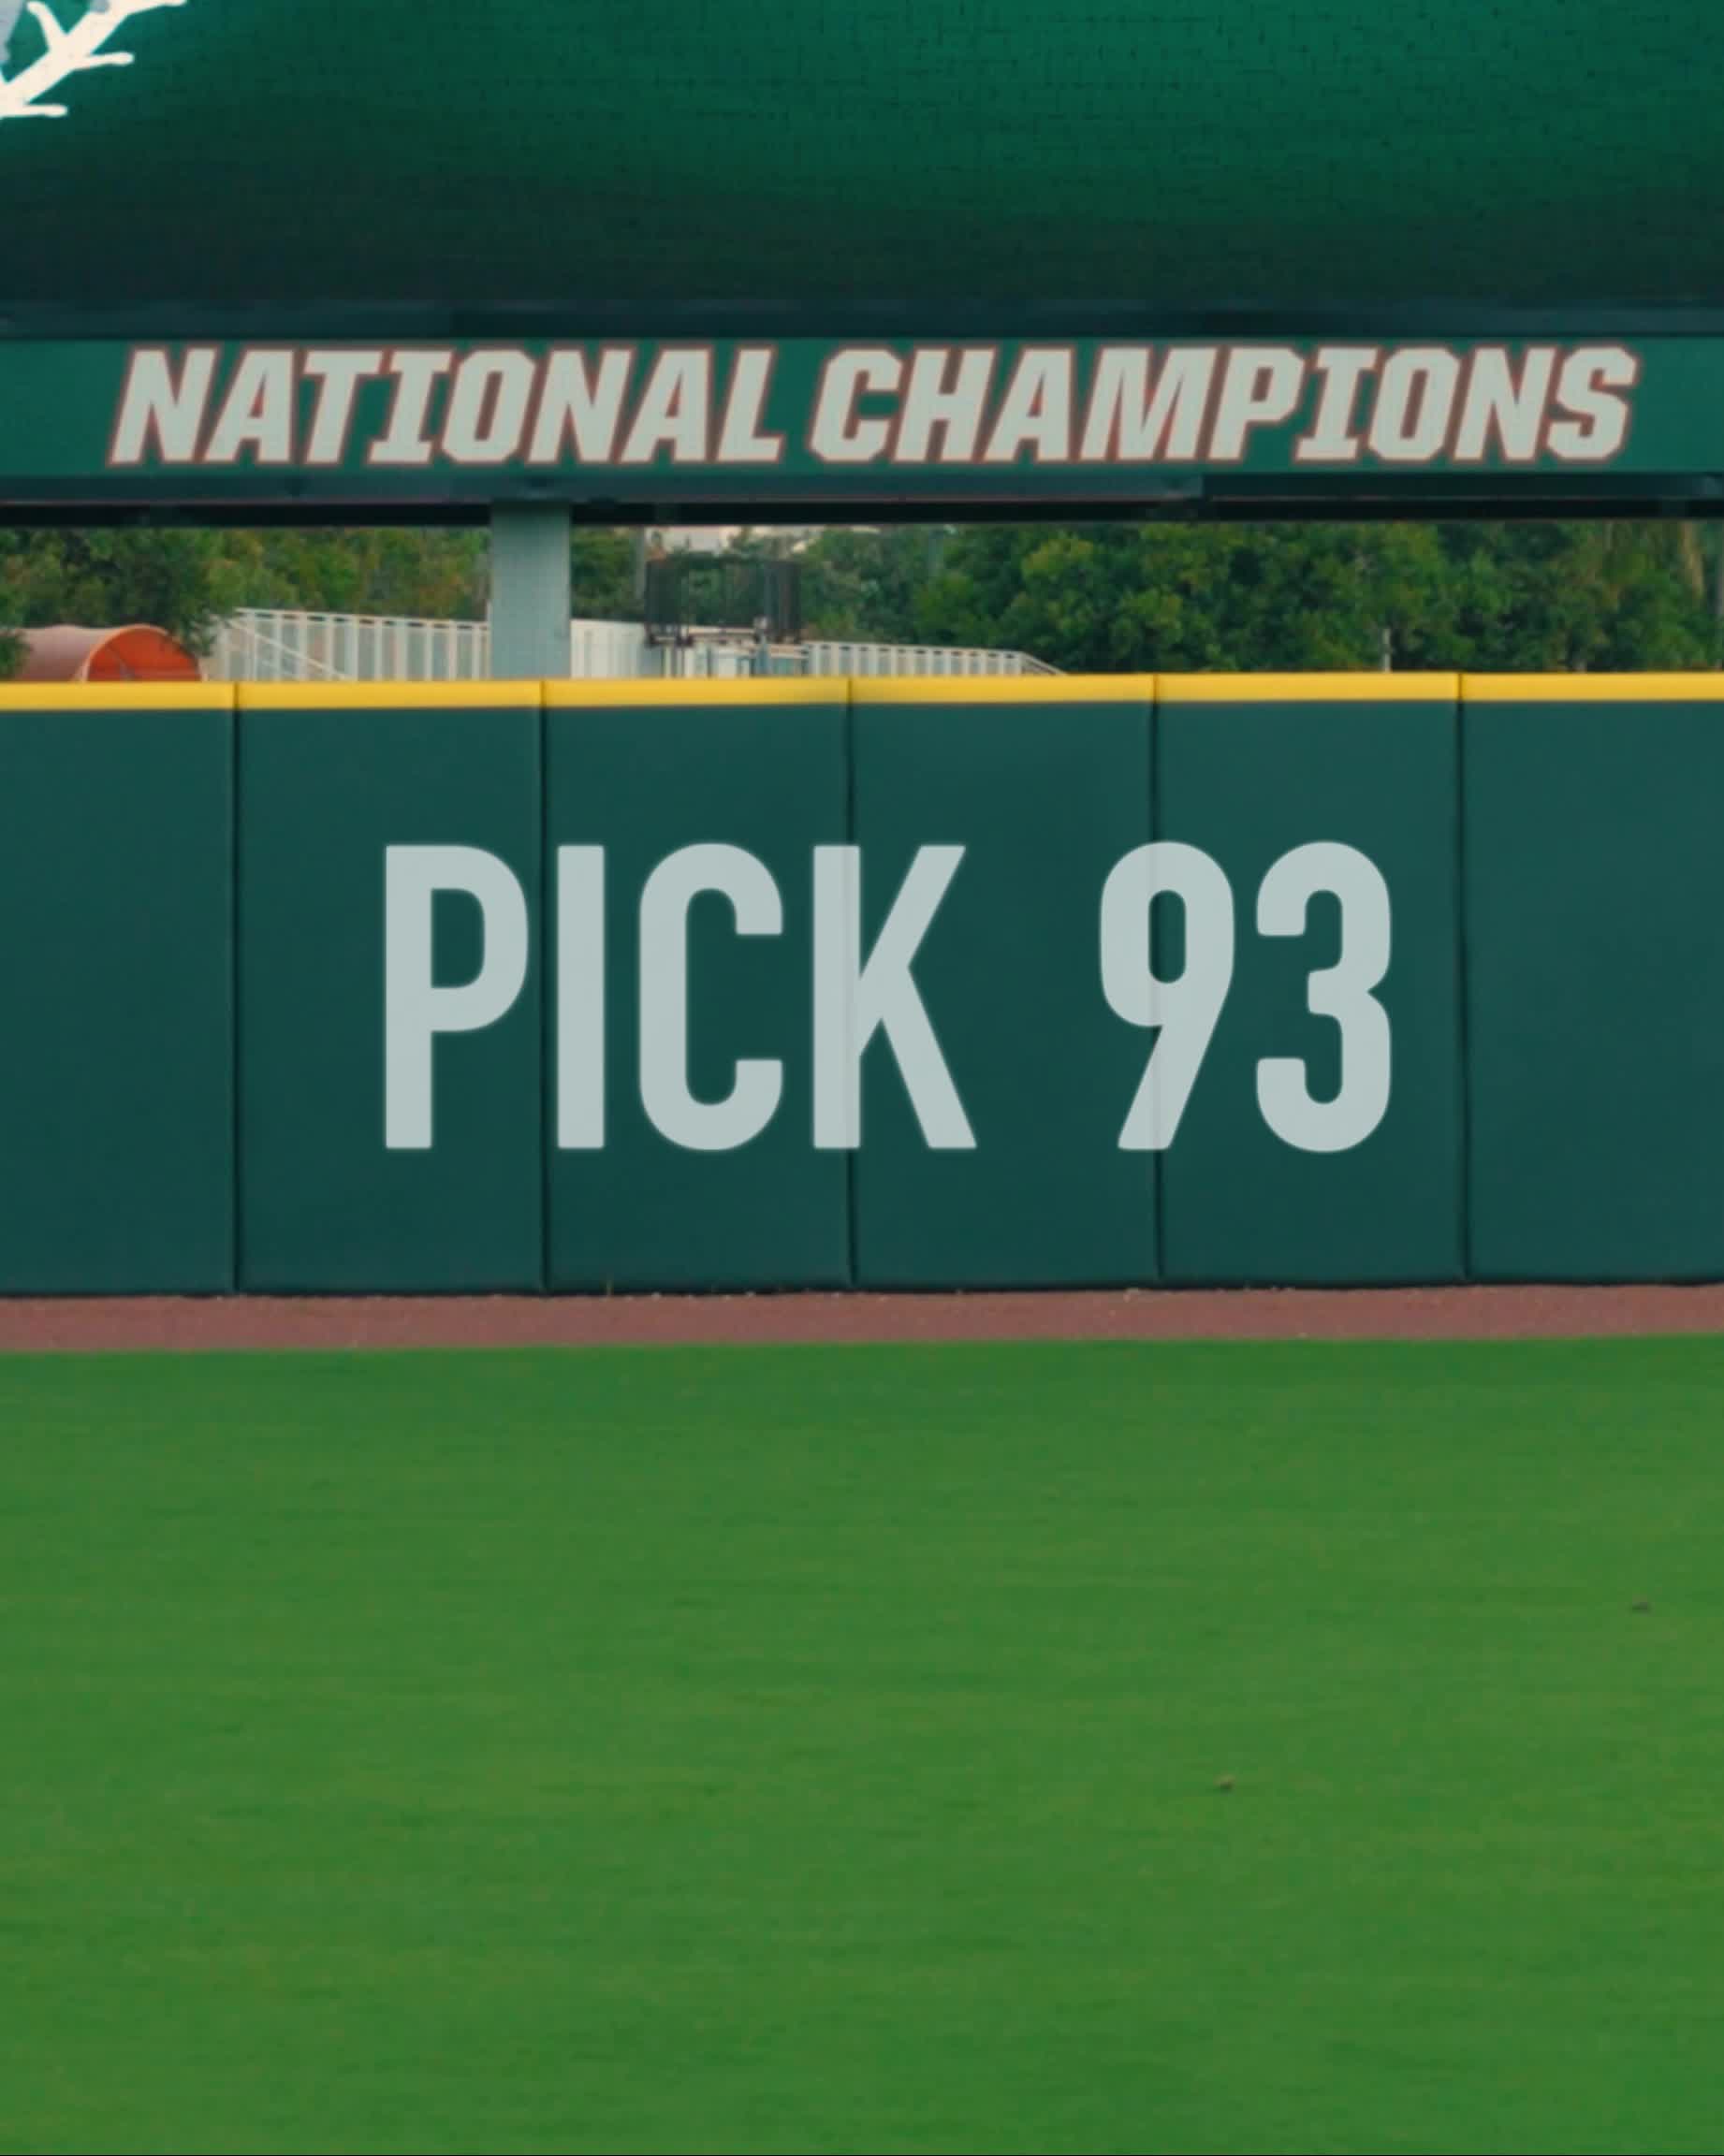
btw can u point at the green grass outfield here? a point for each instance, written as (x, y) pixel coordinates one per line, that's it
(735, 1749)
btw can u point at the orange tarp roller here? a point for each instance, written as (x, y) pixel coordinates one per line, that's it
(137, 653)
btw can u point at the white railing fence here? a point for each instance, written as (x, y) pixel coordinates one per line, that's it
(928, 659)
(263, 644)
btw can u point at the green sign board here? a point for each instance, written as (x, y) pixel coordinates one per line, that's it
(422, 252)
(839, 167)
(882, 421)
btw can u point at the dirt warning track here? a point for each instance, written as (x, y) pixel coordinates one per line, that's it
(266, 1322)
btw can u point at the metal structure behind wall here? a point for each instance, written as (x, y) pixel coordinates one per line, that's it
(276, 644)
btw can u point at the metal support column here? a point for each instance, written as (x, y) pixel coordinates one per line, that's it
(531, 591)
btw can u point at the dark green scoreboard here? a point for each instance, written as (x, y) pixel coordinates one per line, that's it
(1343, 204)
(825, 166)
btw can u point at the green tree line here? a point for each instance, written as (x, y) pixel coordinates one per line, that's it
(184, 581)
(1556, 596)
(1529, 596)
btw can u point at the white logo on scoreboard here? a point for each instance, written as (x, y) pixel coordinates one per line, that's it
(29, 93)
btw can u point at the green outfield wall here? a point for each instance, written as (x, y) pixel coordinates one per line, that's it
(594, 987)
